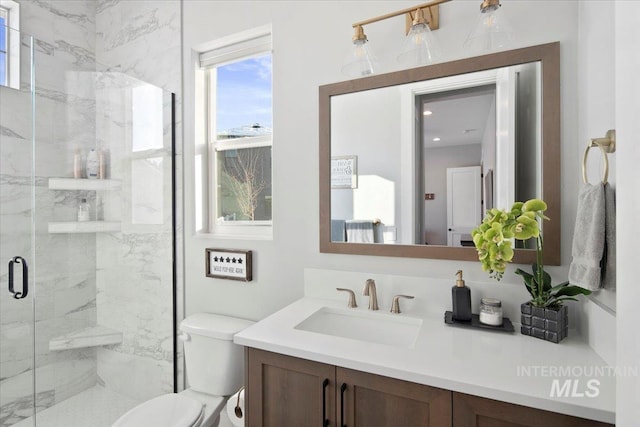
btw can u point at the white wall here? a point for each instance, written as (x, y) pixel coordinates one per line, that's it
(596, 98)
(367, 125)
(310, 39)
(627, 94)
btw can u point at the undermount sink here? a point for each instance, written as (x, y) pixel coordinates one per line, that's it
(361, 325)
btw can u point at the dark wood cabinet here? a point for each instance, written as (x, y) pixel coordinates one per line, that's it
(288, 391)
(367, 400)
(474, 411)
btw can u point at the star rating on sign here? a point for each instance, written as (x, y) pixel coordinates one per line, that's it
(233, 260)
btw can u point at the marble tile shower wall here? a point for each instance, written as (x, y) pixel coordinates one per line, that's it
(64, 43)
(140, 39)
(82, 278)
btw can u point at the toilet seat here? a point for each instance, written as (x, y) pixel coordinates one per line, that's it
(169, 410)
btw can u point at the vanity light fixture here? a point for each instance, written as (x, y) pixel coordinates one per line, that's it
(436, 139)
(419, 47)
(491, 31)
(427, 112)
(360, 61)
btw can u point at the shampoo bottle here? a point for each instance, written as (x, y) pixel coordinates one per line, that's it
(93, 164)
(461, 296)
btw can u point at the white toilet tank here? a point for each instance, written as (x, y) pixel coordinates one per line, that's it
(214, 364)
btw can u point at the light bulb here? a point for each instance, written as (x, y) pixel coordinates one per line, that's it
(491, 31)
(419, 47)
(360, 60)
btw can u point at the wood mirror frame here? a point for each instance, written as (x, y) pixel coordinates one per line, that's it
(549, 57)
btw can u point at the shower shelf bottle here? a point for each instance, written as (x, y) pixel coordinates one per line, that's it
(93, 164)
(83, 211)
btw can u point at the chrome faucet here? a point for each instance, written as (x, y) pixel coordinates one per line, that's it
(370, 291)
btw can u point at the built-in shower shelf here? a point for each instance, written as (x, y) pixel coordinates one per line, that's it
(84, 184)
(84, 227)
(94, 336)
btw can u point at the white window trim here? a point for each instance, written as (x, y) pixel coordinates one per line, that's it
(245, 45)
(13, 42)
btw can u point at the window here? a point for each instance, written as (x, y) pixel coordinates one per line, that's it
(239, 128)
(4, 15)
(9, 43)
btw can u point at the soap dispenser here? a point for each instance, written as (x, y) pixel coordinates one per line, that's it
(461, 296)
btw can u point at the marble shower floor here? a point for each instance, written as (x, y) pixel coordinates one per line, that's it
(94, 407)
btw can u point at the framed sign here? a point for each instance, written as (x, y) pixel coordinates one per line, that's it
(344, 172)
(229, 264)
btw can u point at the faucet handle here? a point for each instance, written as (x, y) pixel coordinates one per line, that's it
(352, 297)
(367, 287)
(395, 304)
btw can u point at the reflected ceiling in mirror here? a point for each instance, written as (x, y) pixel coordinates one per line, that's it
(411, 160)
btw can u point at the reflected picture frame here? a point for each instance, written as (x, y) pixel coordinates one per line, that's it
(344, 172)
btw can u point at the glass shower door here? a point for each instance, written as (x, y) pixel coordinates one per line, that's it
(17, 374)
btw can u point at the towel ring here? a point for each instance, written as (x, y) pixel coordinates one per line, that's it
(606, 145)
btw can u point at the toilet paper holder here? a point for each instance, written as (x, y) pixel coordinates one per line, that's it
(238, 409)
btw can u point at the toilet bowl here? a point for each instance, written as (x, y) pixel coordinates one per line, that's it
(215, 370)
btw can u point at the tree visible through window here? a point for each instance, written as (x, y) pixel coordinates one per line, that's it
(241, 122)
(245, 177)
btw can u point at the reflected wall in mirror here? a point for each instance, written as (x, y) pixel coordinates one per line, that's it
(437, 146)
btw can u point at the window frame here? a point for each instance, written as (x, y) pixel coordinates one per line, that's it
(242, 229)
(12, 38)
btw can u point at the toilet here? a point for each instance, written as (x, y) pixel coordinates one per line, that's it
(215, 370)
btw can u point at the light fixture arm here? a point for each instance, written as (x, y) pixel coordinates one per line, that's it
(408, 10)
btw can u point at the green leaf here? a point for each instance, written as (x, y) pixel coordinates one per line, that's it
(528, 281)
(558, 286)
(524, 274)
(571, 291)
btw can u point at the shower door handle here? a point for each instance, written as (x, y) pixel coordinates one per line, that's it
(25, 277)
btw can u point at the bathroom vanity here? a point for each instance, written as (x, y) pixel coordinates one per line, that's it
(284, 390)
(439, 376)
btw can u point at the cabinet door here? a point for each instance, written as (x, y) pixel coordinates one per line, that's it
(367, 400)
(287, 391)
(473, 411)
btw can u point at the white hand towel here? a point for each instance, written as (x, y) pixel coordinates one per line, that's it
(359, 231)
(588, 238)
(609, 260)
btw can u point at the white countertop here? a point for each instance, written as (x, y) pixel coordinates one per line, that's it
(482, 363)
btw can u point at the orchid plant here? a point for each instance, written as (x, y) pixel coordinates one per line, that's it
(493, 240)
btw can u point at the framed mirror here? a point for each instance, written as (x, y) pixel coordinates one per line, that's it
(411, 160)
